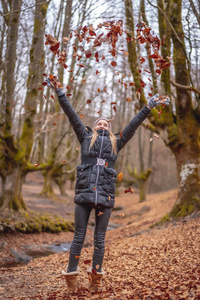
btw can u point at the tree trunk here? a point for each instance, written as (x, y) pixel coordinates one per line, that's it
(187, 147)
(178, 127)
(12, 192)
(143, 189)
(47, 189)
(15, 163)
(10, 63)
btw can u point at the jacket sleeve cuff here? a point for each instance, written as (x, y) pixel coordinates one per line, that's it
(59, 92)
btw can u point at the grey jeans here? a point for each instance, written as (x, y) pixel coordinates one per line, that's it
(82, 213)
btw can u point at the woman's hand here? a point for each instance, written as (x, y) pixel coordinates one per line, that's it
(157, 100)
(55, 84)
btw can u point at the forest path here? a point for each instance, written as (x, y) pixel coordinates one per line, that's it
(140, 263)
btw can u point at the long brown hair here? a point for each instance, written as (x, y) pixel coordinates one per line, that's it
(112, 139)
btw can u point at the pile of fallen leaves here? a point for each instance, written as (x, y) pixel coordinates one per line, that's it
(159, 263)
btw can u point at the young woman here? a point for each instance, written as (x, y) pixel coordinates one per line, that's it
(95, 183)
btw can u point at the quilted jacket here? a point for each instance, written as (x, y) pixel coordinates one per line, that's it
(96, 176)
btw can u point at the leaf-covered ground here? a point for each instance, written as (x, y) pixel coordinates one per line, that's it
(140, 263)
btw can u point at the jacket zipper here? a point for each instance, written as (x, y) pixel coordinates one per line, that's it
(98, 169)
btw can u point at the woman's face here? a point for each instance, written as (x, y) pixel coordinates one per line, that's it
(102, 124)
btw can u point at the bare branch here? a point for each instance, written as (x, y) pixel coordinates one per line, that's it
(174, 31)
(185, 87)
(197, 15)
(14, 11)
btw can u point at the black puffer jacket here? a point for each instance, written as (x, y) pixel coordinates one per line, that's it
(95, 182)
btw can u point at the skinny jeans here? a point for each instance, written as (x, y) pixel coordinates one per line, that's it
(82, 213)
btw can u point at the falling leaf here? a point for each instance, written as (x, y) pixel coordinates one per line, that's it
(142, 60)
(120, 176)
(128, 99)
(147, 126)
(40, 88)
(113, 103)
(96, 55)
(106, 164)
(54, 124)
(150, 94)
(68, 95)
(36, 165)
(81, 116)
(52, 97)
(65, 40)
(87, 261)
(83, 81)
(131, 83)
(129, 190)
(54, 44)
(94, 188)
(142, 84)
(63, 161)
(88, 53)
(114, 107)
(147, 71)
(81, 65)
(97, 72)
(68, 87)
(113, 63)
(98, 90)
(100, 213)
(89, 101)
(99, 112)
(77, 256)
(102, 57)
(158, 71)
(121, 215)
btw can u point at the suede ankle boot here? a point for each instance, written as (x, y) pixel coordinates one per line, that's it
(94, 279)
(71, 279)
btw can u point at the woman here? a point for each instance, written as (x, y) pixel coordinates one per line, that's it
(95, 184)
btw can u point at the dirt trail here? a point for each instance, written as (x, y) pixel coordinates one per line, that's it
(140, 263)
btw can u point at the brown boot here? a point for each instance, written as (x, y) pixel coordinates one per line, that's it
(94, 279)
(71, 279)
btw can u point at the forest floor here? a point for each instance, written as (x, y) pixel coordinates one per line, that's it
(141, 261)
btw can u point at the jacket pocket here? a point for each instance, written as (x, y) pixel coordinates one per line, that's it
(83, 176)
(110, 180)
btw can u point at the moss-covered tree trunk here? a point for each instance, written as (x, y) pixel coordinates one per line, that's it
(47, 189)
(14, 164)
(186, 147)
(179, 128)
(10, 195)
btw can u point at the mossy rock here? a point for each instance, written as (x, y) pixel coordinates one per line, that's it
(28, 223)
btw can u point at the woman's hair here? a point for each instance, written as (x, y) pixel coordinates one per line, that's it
(112, 139)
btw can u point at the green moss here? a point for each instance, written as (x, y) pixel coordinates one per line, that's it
(43, 9)
(185, 207)
(165, 219)
(37, 26)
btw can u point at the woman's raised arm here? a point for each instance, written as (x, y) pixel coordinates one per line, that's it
(73, 117)
(130, 129)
